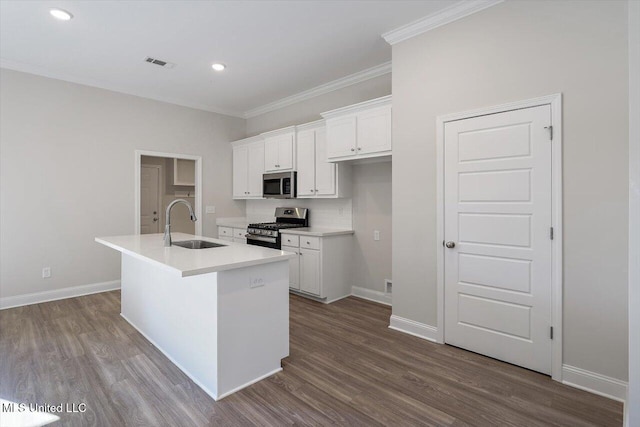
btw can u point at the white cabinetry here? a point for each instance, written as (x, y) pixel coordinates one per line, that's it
(359, 131)
(279, 150)
(322, 269)
(230, 234)
(317, 177)
(248, 167)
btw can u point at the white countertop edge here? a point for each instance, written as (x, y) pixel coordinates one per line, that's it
(203, 270)
(316, 231)
(233, 222)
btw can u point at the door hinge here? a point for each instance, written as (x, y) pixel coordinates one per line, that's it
(550, 131)
(551, 233)
(551, 332)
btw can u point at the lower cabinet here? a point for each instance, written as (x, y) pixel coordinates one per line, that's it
(322, 268)
(229, 234)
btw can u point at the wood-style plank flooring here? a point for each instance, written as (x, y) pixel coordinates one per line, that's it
(345, 368)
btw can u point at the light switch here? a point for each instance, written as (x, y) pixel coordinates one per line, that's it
(376, 235)
(210, 209)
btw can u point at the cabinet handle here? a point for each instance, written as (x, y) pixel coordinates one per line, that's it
(353, 149)
(359, 148)
(316, 190)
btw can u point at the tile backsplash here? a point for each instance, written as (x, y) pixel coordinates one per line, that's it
(329, 213)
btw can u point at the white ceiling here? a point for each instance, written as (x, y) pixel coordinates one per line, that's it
(273, 49)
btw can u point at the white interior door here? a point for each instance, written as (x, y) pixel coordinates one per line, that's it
(497, 213)
(149, 199)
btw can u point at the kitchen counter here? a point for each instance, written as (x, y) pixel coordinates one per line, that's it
(188, 262)
(221, 315)
(316, 231)
(239, 222)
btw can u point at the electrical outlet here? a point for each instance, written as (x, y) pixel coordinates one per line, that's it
(388, 287)
(210, 209)
(376, 235)
(46, 272)
(341, 211)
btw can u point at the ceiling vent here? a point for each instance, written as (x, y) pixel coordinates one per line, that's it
(159, 62)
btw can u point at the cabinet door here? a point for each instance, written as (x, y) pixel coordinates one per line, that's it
(294, 268)
(255, 170)
(341, 137)
(306, 163)
(271, 148)
(310, 271)
(285, 151)
(325, 171)
(240, 172)
(374, 130)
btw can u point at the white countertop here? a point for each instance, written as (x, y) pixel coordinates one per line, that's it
(233, 222)
(316, 231)
(189, 262)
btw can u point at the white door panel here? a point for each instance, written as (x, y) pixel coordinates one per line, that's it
(498, 214)
(306, 163)
(325, 171)
(149, 199)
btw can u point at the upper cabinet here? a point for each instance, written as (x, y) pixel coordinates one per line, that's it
(248, 167)
(279, 150)
(184, 172)
(359, 131)
(318, 178)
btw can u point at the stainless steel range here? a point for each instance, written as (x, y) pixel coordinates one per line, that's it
(267, 234)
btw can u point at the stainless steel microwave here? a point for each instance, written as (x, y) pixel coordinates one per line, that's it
(280, 185)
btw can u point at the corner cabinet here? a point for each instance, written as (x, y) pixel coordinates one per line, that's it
(248, 167)
(318, 178)
(322, 269)
(359, 131)
(279, 150)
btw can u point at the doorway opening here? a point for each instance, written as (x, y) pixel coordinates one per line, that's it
(160, 179)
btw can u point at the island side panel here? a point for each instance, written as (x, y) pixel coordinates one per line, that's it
(177, 314)
(253, 324)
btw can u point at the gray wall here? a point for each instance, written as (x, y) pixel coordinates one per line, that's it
(371, 183)
(515, 51)
(67, 175)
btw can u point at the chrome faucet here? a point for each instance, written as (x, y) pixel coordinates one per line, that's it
(167, 227)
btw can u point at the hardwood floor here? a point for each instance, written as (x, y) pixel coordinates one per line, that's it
(345, 368)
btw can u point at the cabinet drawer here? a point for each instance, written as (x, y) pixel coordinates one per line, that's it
(290, 240)
(309, 242)
(225, 232)
(239, 233)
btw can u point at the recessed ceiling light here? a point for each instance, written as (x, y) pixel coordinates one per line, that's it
(60, 14)
(218, 67)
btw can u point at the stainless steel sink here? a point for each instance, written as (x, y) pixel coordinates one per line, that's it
(197, 244)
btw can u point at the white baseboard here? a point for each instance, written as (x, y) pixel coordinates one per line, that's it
(371, 295)
(412, 327)
(594, 383)
(57, 294)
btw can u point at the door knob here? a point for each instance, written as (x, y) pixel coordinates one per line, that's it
(450, 245)
(155, 219)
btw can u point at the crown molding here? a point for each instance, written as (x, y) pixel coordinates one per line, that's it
(61, 75)
(450, 14)
(349, 80)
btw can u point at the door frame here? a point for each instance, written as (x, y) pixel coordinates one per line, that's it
(160, 193)
(198, 184)
(555, 102)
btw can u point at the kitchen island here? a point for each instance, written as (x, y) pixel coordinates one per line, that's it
(220, 314)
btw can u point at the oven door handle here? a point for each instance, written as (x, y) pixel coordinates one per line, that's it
(260, 238)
